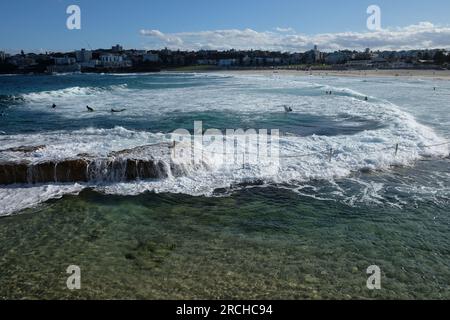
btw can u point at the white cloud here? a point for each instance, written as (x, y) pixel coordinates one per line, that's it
(419, 36)
(170, 40)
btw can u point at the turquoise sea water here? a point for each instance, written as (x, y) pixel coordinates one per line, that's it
(308, 231)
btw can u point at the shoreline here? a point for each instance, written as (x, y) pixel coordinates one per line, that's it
(394, 73)
(429, 74)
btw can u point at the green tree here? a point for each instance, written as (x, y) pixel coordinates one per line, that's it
(440, 57)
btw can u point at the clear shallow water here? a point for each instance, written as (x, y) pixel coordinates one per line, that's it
(259, 243)
(310, 230)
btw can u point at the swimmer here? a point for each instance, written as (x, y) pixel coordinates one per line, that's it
(288, 109)
(117, 111)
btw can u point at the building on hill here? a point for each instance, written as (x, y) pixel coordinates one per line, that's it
(83, 55)
(151, 57)
(313, 56)
(117, 48)
(114, 61)
(338, 57)
(64, 61)
(21, 61)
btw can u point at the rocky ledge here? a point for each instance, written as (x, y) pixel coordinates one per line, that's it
(145, 162)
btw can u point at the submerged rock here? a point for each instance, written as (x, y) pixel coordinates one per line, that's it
(24, 149)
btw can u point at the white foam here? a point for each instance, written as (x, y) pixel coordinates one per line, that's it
(62, 145)
(16, 198)
(44, 96)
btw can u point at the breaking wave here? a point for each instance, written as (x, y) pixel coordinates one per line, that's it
(71, 92)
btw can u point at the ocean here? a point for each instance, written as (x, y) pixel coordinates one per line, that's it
(358, 183)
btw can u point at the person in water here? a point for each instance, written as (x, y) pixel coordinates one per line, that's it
(116, 111)
(89, 109)
(53, 106)
(288, 109)
(366, 99)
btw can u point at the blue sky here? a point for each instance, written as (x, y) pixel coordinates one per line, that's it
(33, 25)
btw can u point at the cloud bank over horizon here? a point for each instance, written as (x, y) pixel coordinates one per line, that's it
(424, 35)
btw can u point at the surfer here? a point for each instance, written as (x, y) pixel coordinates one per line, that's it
(366, 99)
(117, 111)
(288, 109)
(89, 109)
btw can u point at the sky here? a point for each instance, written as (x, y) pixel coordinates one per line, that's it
(284, 25)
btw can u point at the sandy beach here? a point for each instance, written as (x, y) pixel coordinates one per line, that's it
(426, 74)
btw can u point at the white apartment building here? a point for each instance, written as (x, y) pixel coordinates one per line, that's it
(110, 60)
